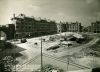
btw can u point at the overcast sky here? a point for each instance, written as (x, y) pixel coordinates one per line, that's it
(85, 11)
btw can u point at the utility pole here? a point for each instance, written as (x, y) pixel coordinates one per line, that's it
(0, 35)
(14, 54)
(60, 31)
(41, 56)
(93, 65)
(68, 60)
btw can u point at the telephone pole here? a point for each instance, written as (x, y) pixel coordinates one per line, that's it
(41, 56)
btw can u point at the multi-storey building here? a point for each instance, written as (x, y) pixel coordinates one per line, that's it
(11, 30)
(95, 27)
(75, 27)
(45, 27)
(23, 25)
(71, 27)
(64, 27)
(87, 29)
(27, 26)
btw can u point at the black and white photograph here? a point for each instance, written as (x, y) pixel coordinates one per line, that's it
(49, 35)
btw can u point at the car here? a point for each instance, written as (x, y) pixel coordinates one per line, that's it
(23, 40)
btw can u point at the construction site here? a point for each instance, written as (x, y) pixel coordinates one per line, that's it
(65, 52)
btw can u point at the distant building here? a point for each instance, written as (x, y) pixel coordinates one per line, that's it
(29, 27)
(71, 27)
(95, 27)
(9, 30)
(64, 27)
(89, 29)
(58, 28)
(75, 27)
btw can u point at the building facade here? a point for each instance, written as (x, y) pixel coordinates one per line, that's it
(29, 27)
(64, 27)
(71, 27)
(95, 27)
(87, 29)
(75, 27)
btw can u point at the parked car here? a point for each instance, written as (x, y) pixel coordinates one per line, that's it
(23, 40)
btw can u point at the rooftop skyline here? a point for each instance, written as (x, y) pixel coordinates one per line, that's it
(84, 11)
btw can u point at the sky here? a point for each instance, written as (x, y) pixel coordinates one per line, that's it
(84, 11)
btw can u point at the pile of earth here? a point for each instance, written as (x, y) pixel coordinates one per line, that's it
(74, 38)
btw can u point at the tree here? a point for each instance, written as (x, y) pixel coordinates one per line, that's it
(6, 64)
